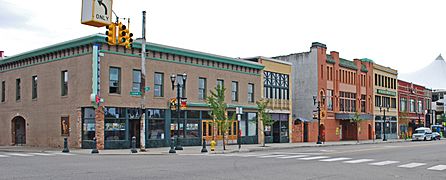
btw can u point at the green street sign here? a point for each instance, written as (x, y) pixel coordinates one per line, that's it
(135, 93)
(147, 88)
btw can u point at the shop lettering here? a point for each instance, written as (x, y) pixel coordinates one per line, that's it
(102, 17)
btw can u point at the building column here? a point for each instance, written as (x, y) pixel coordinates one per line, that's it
(99, 119)
(79, 128)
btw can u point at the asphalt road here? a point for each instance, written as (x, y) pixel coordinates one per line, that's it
(410, 160)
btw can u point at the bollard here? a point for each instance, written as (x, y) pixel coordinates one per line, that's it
(95, 148)
(65, 145)
(133, 150)
(204, 150)
(178, 145)
(172, 149)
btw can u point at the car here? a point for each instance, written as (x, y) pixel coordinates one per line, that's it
(422, 134)
(436, 136)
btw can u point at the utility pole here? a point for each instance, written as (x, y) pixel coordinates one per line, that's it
(143, 84)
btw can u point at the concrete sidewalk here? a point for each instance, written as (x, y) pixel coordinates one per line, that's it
(197, 149)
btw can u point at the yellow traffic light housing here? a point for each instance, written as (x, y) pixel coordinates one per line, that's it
(122, 32)
(111, 34)
(128, 39)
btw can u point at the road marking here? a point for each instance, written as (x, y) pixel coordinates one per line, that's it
(271, 156)
(315, 157)
(438, 168)
(65, 154)
(412, 165)
(296, 156)
(3, 155)
(382, 163)
(42, 154)
(19, 154)
(335, 159)
(358, 161)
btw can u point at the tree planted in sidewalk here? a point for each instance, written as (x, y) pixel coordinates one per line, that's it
(216, 102)
(264, 117)
(357, 119)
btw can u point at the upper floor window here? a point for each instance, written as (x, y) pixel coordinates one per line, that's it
(17, 89)
(136, 85)
(412, 105)
(250, 92)
(276, 85)
(234, 91)
(34, 87)
(64, 83)
(329, 99)
(221, 83)
(3, 91)
(201, 88)
(403, 104)
(115, 80)
(158, 85)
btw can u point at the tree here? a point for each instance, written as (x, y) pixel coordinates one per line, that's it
(404, 120)
(216, 102)
(356, 119)
(264, 117)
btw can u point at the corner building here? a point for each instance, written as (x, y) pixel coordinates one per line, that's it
(344, 89)
(47, 95)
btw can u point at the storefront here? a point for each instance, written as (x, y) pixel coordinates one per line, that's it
(390, 127)
(278, 131)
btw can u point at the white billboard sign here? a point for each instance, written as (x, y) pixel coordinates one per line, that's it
(97, 13)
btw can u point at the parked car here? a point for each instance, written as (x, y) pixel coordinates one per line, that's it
(422, 133)
(436, 136)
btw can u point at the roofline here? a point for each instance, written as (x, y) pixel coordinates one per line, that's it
(270, 59)
(100, 38)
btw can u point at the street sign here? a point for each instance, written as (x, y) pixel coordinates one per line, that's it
(135, 93)
(96, 13)
(147, 88)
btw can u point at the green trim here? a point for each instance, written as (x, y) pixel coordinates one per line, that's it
(120, 53)
(192, 104)
(367, 60)
(48, 61)
(347, 64)
(363, 68)
(330, 59)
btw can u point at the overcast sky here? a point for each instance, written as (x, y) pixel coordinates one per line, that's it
(403, 34)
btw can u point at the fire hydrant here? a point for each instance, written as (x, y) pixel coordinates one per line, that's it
(213, 143)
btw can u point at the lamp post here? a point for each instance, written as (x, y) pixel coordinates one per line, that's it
(180, 86)
(383, 109)
(318, 103)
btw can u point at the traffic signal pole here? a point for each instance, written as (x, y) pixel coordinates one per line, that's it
(143, 83)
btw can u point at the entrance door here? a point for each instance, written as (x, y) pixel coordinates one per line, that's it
(135, 127)
(211, 131)
(19, 131)
(370, 131)
(276, 132)
(305, 132)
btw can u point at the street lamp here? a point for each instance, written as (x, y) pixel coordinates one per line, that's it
(383, 109)
(318, 102)
(180, 86)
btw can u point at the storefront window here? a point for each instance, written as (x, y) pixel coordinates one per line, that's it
(243, 126)
(252, 124)
(115, 124)
(88, 126)
(192, 129)
(156, 124)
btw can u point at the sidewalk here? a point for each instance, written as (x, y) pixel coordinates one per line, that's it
(197, 149)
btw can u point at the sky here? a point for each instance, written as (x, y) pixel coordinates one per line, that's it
(402, 34)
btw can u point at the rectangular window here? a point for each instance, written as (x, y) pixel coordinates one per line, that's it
(420, 106)
(252, 124)
(17, 89)
(34, 87)
(65, 126)
(64, 83)
(3, 91)
(234, 91)
(403, 104)
(115, 80)
(393, 103)
(412, 105)
(376, 79)
(158, 85)
(330, 100)
(250, 92)
(378, 101)
(156, 124)
(363, 103)
(201, 88)
(220, 82)
(136, 85)
(88, 124)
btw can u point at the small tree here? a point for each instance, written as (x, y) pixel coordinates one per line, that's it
(264, 117)
(356, 119)
(403, 119)
(216, 102)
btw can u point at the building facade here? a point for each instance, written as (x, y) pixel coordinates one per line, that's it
(47, 93)
(385, 93)
(414, 108)
(343, 89)
(277, 88)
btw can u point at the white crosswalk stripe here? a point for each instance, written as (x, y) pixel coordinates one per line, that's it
(296, 156)
(3, 155)
(382, 163)
(438, 168)
(269, 156)
(19, 154)
(42, 154)
(314, 157)
(358, 161)
(412, 165)
(335, 159)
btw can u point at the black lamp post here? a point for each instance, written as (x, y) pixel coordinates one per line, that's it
(179, 87)
(318, 103)
(383, 109)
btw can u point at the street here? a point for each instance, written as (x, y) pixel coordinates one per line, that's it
(409, 160)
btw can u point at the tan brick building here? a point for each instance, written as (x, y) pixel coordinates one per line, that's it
(46, 94)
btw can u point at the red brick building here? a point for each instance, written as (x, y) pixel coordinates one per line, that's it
(415, 102)
(344, 89)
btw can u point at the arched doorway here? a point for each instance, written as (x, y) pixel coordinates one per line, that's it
(18, 130)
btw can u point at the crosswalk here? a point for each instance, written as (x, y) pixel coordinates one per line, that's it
(45, 154)
(345, 160)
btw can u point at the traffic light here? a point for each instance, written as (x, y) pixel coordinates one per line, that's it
(111, 34)
(128, 39)
(121, 33)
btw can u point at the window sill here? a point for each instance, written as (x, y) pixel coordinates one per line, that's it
(158, 97)
(65, 96)
(113, 94)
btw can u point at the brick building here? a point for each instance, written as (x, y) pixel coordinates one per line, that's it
(46, 94)
(344, 87)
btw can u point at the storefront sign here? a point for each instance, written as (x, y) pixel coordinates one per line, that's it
(385, 92)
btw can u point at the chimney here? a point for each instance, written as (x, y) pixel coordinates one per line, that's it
(2, 54)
